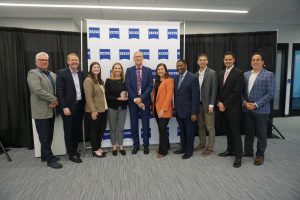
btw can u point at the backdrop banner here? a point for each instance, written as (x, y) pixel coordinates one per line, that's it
(116, 41)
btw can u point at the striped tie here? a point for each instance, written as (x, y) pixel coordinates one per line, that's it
(139, 81)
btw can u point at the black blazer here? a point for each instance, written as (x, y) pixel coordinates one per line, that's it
(113, 89)
(230, 93)
(65, 88)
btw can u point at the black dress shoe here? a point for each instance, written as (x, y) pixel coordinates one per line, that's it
(237, 163)
(146, 150)
(226, 153)
(98, 156)
(115, 152)
(179, 151)
(123, 152)
(54, 164)
(185, 156)
(135, 150)
(248, 154)
(75, 159)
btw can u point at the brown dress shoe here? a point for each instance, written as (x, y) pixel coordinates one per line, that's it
(207, 152)
(259, 160)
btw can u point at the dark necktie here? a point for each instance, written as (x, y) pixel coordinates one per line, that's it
(180, 81)
(47, 73)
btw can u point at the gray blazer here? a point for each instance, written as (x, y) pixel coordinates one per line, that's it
(209, 87)
(41, 94)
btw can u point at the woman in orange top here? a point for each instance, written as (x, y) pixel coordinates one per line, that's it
(162, 99)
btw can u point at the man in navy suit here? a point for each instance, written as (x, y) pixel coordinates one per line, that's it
(70, 95)
(139, 84)
(230, 88)
(186, 101)
(259, 90)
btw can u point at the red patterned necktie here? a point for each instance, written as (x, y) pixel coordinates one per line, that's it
(139, 81)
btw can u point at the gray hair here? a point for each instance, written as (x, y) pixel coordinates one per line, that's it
(40, 54)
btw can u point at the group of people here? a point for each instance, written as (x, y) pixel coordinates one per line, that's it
(195, 98)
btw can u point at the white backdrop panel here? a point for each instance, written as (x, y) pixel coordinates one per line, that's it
(116, 41)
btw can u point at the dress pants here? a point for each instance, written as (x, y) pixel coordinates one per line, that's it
(135, 112)
(96, 129)
(116, 119)
(45, 129)
(230, 123)
(187, 134)
(206, 121)
(164, 143)
(256, 124)
(72, 127)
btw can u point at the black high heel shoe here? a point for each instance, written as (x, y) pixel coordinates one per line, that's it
(98, 156)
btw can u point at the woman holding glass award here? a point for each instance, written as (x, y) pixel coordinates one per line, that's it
(117, 98)
(95, 108)
(162, 97)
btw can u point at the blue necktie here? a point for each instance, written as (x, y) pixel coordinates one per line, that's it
(47, 73)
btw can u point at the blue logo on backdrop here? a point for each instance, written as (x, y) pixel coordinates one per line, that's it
(89, 54)
(94, 32)
(172, 33)
(114, 33)
(106, 135)
(104, 54)
(146, 53)
(134, 33)
(124, 54)
(178, 54)
(172, 73)
(163, 54)
(153, 33)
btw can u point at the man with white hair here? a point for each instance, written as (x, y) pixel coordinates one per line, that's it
(43, 101)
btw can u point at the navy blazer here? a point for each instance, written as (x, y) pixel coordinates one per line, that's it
(65, 88)
(147, 84)
(262, 92)
(187, 97)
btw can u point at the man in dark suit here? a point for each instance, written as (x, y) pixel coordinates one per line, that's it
(139, 84)
(206, 116)
(70, 95)
(41, 82)
(230, 88)
(259, 90)
(186, 101)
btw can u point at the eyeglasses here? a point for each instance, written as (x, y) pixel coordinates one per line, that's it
(43, 60)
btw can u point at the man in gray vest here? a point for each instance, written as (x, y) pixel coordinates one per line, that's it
(206, 117)
(43, 101)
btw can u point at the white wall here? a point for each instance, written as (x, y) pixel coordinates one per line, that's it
(286, 33)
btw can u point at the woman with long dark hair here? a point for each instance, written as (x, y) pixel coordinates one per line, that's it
(162, 99)
(95, 108)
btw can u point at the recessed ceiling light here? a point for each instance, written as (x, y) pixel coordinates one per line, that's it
(123, 8)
